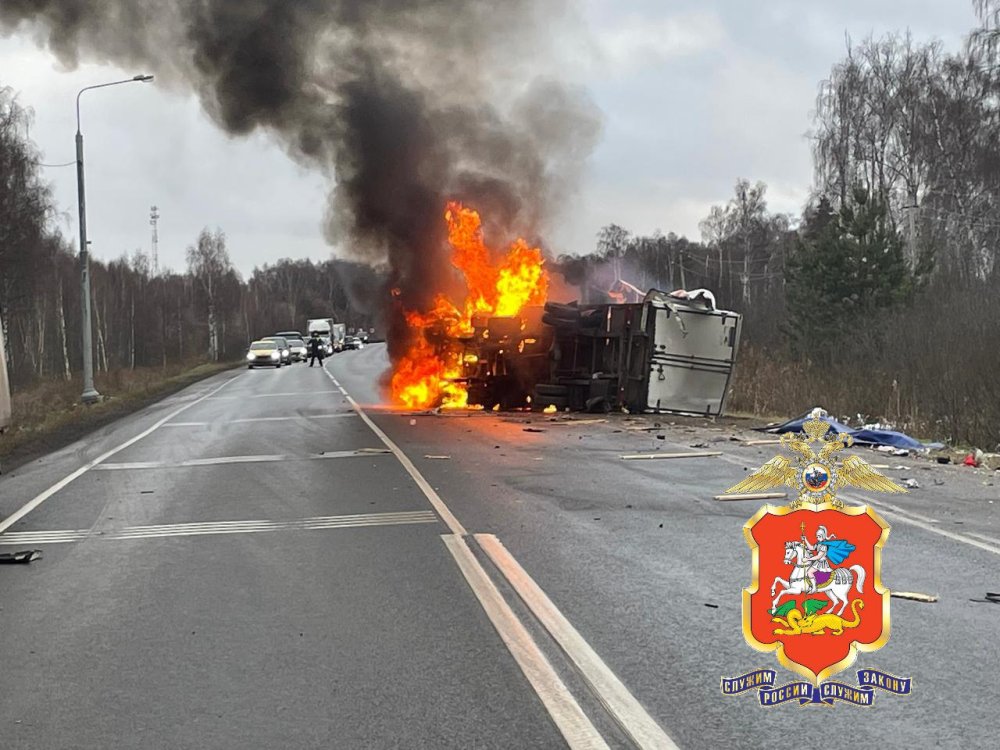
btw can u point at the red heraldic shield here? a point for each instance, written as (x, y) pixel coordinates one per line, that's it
(816, 596)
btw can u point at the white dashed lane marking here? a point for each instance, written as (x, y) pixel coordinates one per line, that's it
(209, 528)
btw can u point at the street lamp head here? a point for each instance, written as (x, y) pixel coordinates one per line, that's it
(143, 78)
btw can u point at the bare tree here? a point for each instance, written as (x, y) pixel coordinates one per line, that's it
(208, 263)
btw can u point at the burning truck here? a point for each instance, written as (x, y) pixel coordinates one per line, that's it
(507, 347)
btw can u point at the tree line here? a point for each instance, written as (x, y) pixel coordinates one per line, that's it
(142, 319)
(879, 300)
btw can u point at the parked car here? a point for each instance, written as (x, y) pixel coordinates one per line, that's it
(282, 345)
(264, 354)
(298, 349)
(353, 342)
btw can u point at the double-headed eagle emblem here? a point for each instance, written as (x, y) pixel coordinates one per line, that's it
(816, 476)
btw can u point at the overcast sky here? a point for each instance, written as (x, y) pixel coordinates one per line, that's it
(695, 94)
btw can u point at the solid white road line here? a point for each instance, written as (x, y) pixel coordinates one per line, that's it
(569, 718)
(264, 458)
(985, 538)
(926, 526)
(429, 492)
(634, 720)
(43, 496)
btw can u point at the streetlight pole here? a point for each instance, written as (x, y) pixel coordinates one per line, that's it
(90, 394)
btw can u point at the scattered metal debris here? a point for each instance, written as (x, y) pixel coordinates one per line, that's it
(441, 458)
(992, 597)
(762, 442)
(532, 429)
(653, 456)
(753, 496)
(20, 558)
(913, 596)
(911, 484)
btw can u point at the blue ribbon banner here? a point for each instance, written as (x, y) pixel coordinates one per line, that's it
(826, 693)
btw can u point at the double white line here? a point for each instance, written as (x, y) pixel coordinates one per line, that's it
(570, 719)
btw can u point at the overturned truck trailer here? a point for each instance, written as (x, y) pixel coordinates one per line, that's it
(669, 353)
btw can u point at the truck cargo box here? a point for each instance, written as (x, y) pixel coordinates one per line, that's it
(669, 353)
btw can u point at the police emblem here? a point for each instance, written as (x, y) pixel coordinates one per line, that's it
(816, 598)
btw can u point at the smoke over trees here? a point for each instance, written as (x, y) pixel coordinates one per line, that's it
(403, 105)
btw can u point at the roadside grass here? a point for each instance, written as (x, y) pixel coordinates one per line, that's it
(48, 415)
(765, 385)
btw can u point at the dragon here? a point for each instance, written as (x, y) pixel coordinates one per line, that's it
(795, 623)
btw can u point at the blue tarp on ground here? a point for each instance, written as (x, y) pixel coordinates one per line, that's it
(861, 437)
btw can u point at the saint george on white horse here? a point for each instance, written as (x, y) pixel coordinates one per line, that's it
(803, 579)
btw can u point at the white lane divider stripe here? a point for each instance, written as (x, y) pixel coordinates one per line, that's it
(992, 540)
(305, 394)
(569, 718)
(264, 458)
(221, 527)
(43, 496)
(634, 720)
(890, 511)
(297, 418)
(277, 523)
(430, 518)
(429, 492)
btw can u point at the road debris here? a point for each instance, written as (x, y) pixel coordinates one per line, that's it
(532, 429)
(653, 456)
(991, 461)
(992, 597)
(913, 596)
(761, 442)
(893, 451)
(440, 458)
(20, 558)
(753, 496)
(910, 484)
(576, 421)
(412, 422)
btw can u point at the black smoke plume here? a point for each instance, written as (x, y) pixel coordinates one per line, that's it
(404, 104)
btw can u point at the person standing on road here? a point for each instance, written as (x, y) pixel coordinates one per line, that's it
(315, 349)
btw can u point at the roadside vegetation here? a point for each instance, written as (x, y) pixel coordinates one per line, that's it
(879, 302)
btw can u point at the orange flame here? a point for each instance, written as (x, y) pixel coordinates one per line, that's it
(426, 375)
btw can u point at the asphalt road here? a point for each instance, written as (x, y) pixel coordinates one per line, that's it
(253, 562)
